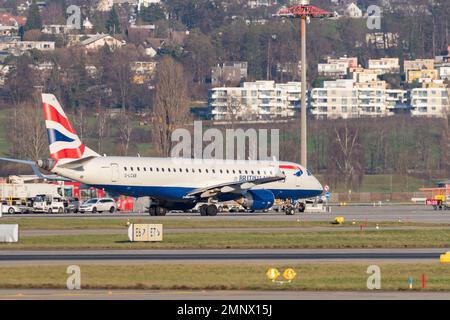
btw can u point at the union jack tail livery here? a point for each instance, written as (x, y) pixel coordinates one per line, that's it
(63, 141)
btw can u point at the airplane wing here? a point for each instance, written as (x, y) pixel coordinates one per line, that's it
(232, 187)
(35, 169)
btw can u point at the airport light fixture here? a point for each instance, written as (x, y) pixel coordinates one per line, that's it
(305, 12)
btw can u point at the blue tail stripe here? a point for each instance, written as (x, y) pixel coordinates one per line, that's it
(54, 136)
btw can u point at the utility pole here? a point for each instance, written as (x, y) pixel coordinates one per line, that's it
(305, 12)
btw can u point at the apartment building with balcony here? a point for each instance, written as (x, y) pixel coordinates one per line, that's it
(349, 99)
(259, 100)
(337, 99)
(432, 100)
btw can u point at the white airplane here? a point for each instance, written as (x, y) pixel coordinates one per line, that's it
(173, 183)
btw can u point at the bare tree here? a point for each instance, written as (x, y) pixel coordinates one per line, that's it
(30, 140)
(102, 126)
(234, 109)
(171, 108)
(125, 131)
(346, 154)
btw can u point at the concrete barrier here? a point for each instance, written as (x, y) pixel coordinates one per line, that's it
(9, 233)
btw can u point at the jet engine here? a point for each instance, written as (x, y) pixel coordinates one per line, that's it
(258, 200)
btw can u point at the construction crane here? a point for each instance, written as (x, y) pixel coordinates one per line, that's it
(305, 12)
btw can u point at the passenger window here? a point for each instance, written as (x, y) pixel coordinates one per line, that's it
(221, 171)
(125, 168)
(213, 171)
(168, 169)
(157, 169)
(246, 172)
(145, 169)
(181, 170)
(259, 172)
(138, 169)
(206, 170)
(162, 169)
(193, 170)
(200, 170)
(131, 168)
(151, 169)
(239, 171)
(187, 170)
(228, 171)
(253, 172)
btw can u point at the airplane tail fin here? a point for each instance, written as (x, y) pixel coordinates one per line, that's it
(63, 141)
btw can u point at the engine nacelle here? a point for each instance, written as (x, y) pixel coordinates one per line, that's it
(258, 200)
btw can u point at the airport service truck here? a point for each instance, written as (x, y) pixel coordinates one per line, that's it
(19, 197)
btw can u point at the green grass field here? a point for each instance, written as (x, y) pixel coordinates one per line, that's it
(62, 223)
(417, 238)
(310, 276)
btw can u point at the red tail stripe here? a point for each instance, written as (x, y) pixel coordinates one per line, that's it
(69, 153)
(289, 167)
(52, 114)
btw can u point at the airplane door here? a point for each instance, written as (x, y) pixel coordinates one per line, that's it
(114, 172)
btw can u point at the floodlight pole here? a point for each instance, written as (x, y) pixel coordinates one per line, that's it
(305, 12)
(303, 107)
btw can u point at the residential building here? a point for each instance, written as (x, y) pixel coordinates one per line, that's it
(95, 42)
(337, 99)
(421, 75)
(430, 102)
(57, 29)
(353, 11)
(333, 70)
(418, 64)
(18, 47)
(346, 98)
(385, 65)
(255, 100)
(362, 75)
(444, 71)
(229, 73)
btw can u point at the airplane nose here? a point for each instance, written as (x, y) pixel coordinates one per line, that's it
(317, 185)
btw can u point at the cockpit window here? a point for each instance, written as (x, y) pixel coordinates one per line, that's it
(308, 172)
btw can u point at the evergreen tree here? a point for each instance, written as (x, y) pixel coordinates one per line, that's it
(113, 23)
(152, 13)
(34, 19)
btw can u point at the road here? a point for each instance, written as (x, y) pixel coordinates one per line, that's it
(58, 294)
(406, 213)
(228, 255)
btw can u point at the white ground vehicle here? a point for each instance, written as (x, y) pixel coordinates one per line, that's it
(12, 209)
(48, 204)
(99, 205)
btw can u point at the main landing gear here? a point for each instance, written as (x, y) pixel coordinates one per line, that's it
(157, 211)
(208, 210)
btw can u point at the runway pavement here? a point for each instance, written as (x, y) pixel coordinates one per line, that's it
(227, 255)
(407, 213)
(58, 294)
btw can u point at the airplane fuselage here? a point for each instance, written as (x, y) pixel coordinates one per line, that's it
(172, 179)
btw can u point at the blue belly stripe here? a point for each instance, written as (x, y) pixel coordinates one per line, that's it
(178, 193)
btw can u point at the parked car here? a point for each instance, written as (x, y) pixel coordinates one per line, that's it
(98, 205)
(72, 205)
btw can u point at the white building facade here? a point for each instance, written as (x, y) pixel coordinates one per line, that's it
(255, 100)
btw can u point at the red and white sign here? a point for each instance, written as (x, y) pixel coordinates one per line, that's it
(326, 188)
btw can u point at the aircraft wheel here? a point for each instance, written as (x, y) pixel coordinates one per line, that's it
(211, 210)
(160, 211)
(301, 208)
(203, 210)
(289, 211)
